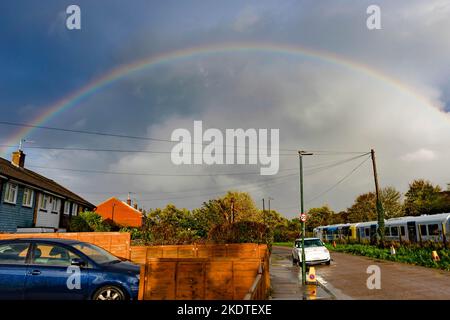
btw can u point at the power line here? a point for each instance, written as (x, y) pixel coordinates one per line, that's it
(216, 192)
(223, 187)
(329, 152)
(153, 174)
(121, 150)
(339, 182)
(316, 169)
(107, 134)
(116, 135)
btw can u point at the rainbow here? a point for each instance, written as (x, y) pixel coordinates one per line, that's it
(110, 77)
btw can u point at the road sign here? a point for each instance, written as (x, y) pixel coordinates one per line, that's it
(303, 217)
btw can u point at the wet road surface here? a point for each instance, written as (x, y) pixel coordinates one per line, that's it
(346, 278)
(286, 279)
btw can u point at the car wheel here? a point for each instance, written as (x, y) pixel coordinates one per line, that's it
(109, 293)
(328, 262)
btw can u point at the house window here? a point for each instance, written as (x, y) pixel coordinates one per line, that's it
(27, 200)
(55, 205)
(67, 207)
(43, 202)
(74, 209)
(11, 193)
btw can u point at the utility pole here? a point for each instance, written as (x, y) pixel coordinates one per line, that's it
(380, 210)
(232, 210)
(269, 203)
(264, 211)
(300, 156)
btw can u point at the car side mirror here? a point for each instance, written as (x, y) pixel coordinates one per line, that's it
(77, 262)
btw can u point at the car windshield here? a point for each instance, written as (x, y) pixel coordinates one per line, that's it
(97, 254)
(309, 243)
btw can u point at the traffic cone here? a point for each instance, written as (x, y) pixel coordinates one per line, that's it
(435, 256)
(311, 277)
(311, 291)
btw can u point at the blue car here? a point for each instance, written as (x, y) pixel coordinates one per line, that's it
(59, 269)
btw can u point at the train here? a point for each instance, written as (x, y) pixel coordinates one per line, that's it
(435, 228)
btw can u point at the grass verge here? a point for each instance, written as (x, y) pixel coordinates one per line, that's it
(283, 244)
(415, 256)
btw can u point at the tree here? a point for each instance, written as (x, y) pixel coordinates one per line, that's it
(365, 206)
(318, 217)
(170, 226)
(391, 200)
(340, 217)
(232, 207)
(424, 198)
(89, 221)
(363, 209)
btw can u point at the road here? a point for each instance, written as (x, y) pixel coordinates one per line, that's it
(286, 279)
(346, 278)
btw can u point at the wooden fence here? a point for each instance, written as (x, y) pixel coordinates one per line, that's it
(118, 243)
(203, 272)
(140, 254)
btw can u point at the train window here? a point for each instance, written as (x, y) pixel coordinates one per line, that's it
(387, 232)
(367, 232)
(402, 231)
(394, 231)
(433, 229)
(423, 230)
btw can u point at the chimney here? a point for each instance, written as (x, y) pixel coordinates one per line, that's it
(18, 158)
(129, 199)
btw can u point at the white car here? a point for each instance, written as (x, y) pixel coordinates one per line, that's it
(315, 252)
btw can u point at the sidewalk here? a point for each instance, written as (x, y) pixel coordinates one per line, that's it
(286, 280)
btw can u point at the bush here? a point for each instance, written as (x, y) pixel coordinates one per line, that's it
(241, 232)
(89, 221)
(411, 253)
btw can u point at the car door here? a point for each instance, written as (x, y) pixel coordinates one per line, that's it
(13, 269)
(51, 275)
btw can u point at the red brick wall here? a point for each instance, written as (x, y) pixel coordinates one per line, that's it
(119, 212)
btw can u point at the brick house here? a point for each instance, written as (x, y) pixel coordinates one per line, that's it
(31, 202)
(120, 212)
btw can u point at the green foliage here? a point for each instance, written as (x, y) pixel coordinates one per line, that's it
(425, 198)
(169, 226)
(233, 217)
(240, 232)
(136, 233)
(364, 208)
(411, 254)
(319, 217)
(391, 200)
(89, 221)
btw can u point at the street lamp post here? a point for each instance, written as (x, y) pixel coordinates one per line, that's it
(300, 156)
